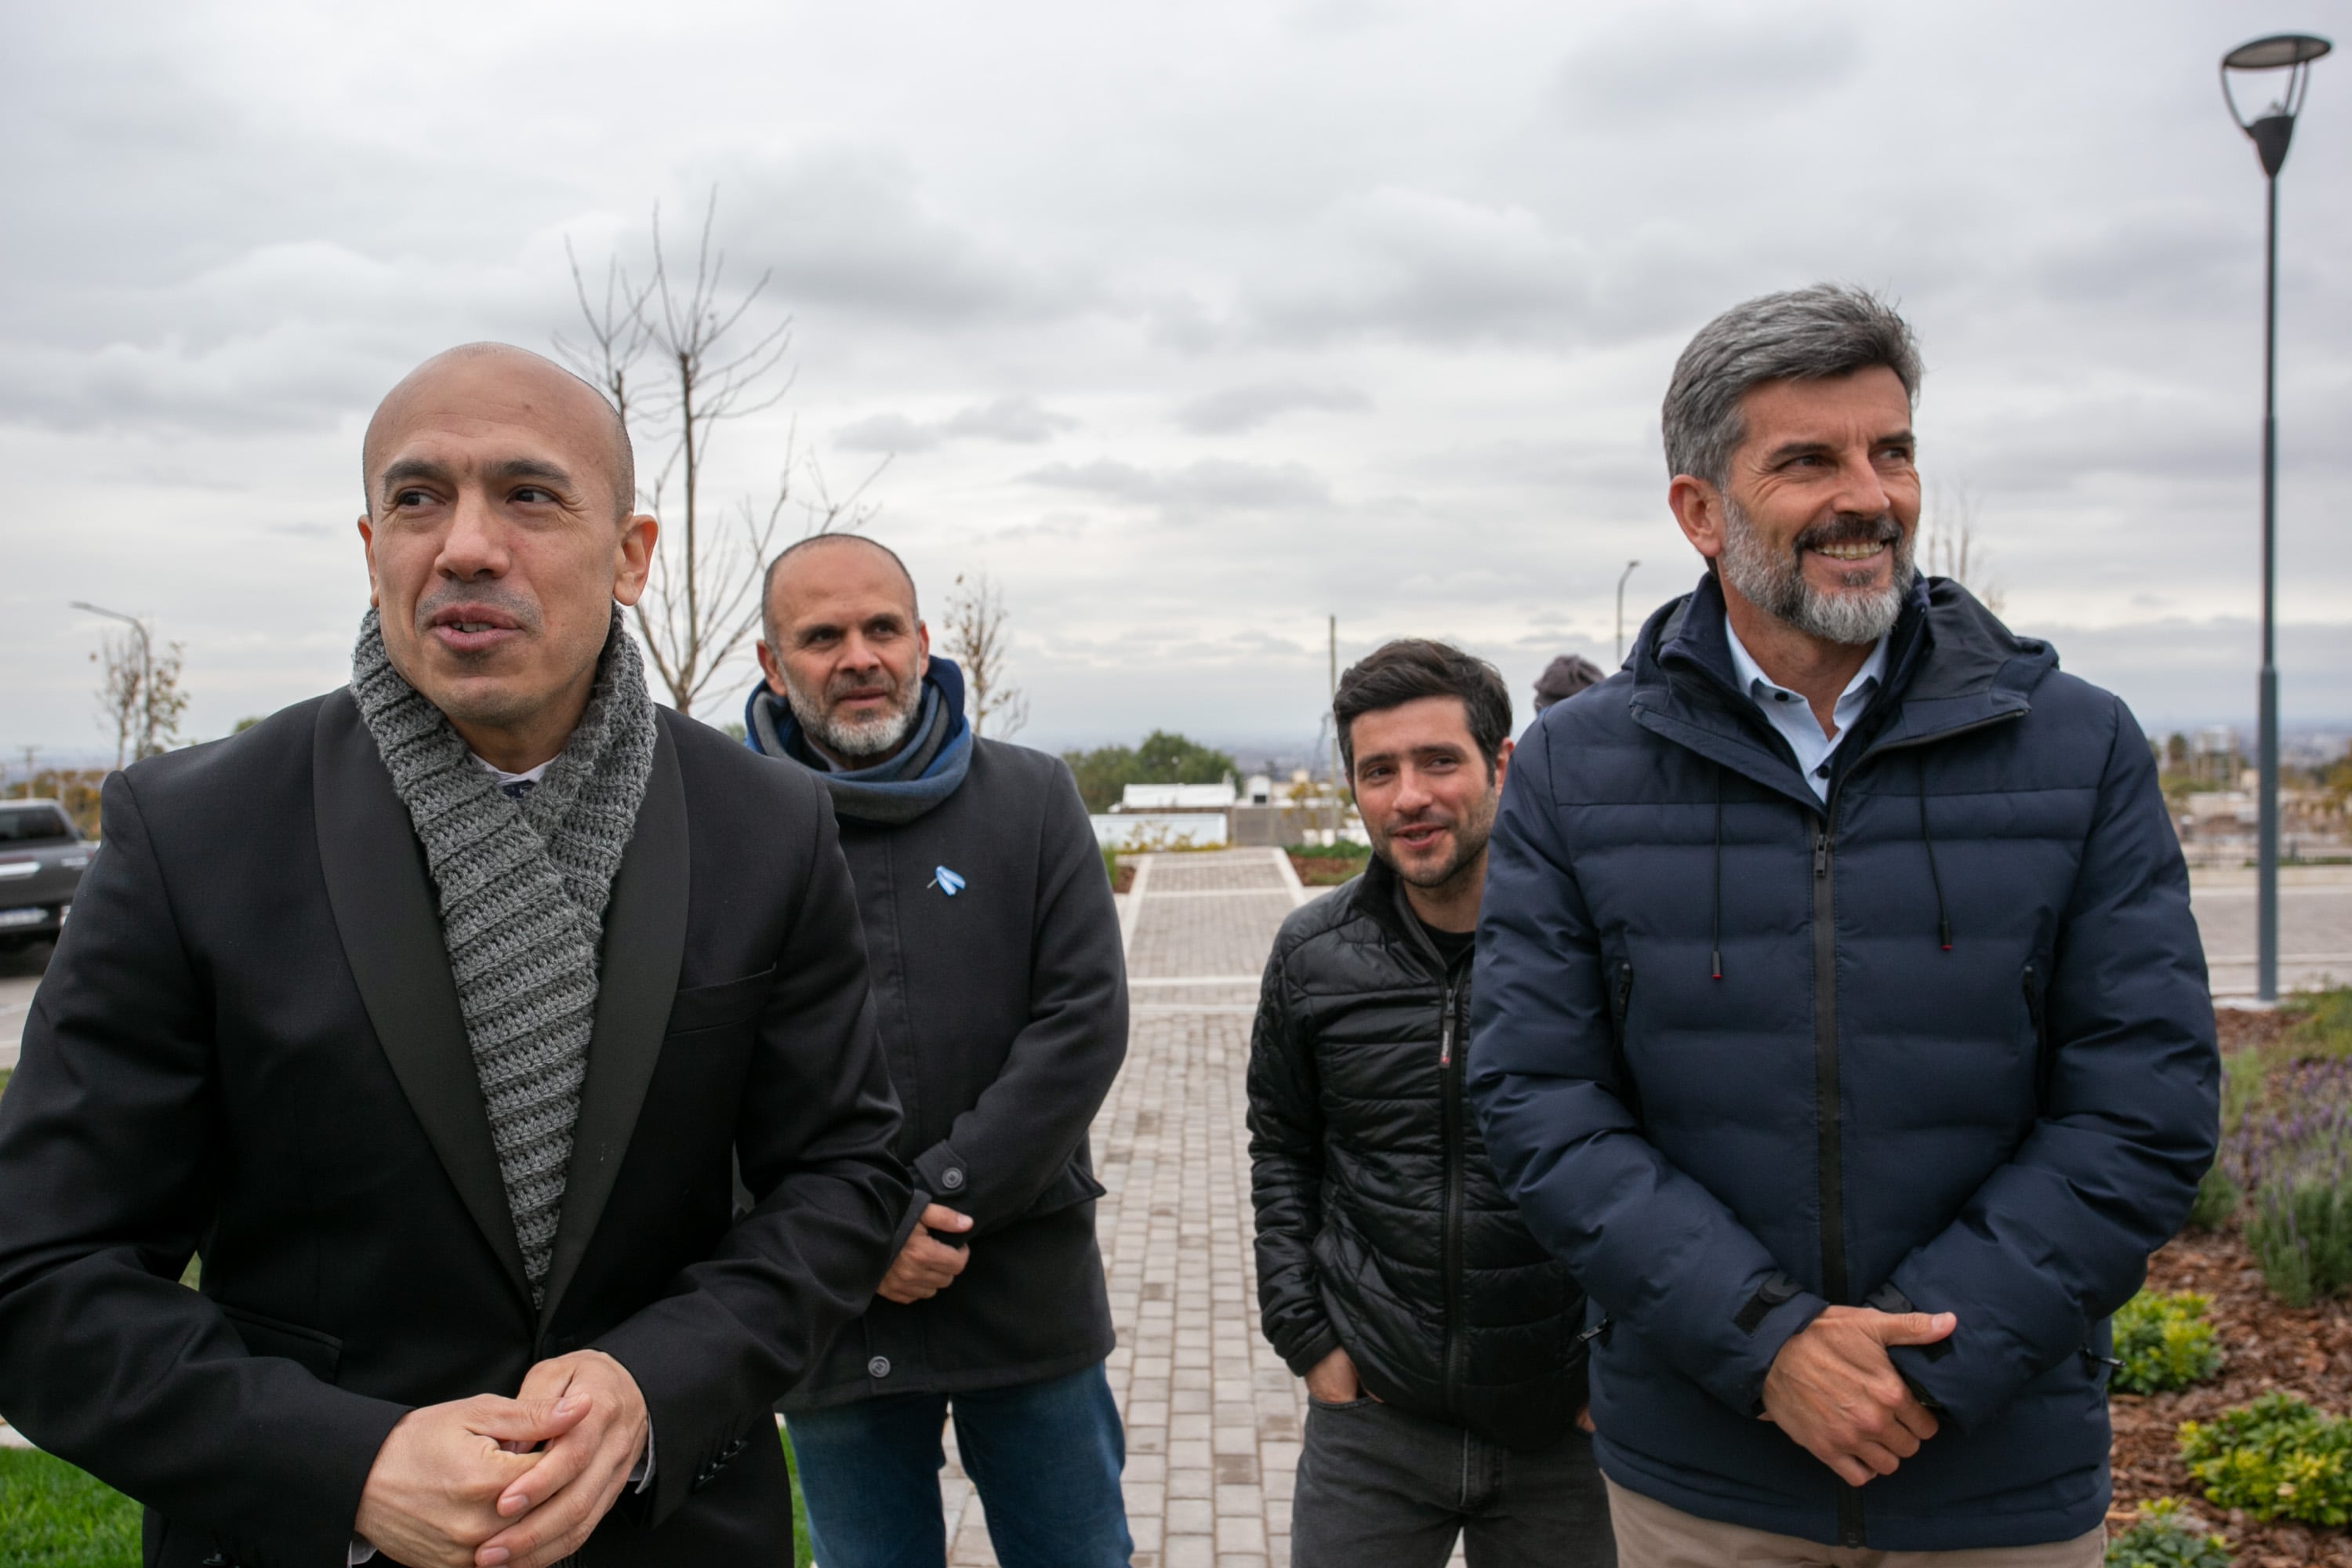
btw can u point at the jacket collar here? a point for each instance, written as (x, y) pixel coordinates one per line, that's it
(1950, 666)
(1379, 895)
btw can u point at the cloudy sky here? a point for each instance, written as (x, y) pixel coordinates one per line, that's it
(1189, 326)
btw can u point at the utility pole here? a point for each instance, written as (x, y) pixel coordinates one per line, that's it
(1620, 609)
(1335, 813)
(146, 675)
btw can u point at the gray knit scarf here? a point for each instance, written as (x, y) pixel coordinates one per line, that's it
(523, 886)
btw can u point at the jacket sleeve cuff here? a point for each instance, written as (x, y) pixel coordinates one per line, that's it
(940, 1171)
(1770, 1319)
(916, 1205)
(1318, 1345)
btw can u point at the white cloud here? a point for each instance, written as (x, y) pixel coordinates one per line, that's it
(1015, 421)
(1236, 410)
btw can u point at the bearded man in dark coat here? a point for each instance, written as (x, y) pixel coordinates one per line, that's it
(1002, 989)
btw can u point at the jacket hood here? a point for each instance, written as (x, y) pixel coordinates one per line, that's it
(1946, 645)
(1951, 665)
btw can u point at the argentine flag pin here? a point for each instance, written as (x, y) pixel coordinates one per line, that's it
(946, 881)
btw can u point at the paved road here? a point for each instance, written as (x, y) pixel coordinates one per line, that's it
(2315, 927)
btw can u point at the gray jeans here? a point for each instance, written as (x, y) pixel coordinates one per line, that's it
(1382, 1488)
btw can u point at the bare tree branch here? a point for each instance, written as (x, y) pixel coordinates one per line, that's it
(975, 636)
(1948, 545)
(707, 365)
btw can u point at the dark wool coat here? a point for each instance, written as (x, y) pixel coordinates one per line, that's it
(1004, 1012)
(1380, 1227)
(1960, 1057)
(248, 1045)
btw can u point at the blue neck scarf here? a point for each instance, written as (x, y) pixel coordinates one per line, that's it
(901, 787)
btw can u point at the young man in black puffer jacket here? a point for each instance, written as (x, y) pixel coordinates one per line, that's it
(1438, 1338)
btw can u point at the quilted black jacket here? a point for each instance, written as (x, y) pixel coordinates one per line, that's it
(1380, 1227)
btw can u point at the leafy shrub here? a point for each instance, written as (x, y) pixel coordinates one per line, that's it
(2164, 1342)
(2216, 1201)
(2276, 1458)
(2164, 1539)
(2326, 1026)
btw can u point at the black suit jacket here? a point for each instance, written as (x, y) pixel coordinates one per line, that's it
(248, 1045)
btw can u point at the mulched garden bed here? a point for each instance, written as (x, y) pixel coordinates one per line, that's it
(2267, 1345)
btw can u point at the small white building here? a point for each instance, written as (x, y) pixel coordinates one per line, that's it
(1161, 797)
(1146, 830)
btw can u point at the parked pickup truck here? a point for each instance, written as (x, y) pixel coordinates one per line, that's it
(42, 857)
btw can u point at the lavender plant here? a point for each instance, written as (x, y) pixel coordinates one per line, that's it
(2293, 1156)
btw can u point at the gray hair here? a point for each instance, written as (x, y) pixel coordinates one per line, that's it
(1804, 334)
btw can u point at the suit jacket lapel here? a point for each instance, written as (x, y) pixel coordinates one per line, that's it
(384, 911)
(644, 941)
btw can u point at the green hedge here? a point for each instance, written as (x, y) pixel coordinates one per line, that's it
(54, 1516)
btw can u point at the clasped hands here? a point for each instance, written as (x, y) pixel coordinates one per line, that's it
(488, 1482)
(1834, 1391)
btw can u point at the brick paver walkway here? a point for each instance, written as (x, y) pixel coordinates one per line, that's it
(1212, 1415)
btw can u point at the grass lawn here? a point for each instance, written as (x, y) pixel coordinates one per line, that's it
(800, 1507)
(5, 1075)
(53, 1516)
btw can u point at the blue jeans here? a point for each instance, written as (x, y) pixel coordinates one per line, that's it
(1046, 1457)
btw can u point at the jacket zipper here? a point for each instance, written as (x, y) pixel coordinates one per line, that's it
(2041, 1058)
(1450, 1098)
(1831, 1152)
(1828, 1110)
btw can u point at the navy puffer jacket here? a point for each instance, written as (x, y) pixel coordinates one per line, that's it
(1959, 1057)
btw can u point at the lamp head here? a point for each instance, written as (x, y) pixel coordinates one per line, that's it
(2274, 128)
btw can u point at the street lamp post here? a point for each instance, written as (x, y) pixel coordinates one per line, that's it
(2270, 131)
(146, 675)
(1620, 608)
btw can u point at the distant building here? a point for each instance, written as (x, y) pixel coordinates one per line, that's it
(1176, 797)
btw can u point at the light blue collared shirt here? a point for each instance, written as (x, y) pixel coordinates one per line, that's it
(1793, 716)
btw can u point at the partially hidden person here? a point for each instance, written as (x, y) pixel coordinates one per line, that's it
(1001, 988)
(1438, 1338)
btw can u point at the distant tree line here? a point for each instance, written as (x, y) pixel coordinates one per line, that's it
(1104, 774)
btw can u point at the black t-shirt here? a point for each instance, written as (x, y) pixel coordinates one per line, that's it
(1453, 946)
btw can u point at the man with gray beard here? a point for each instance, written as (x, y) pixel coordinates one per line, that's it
(1001, 988)
(1838, 1018)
